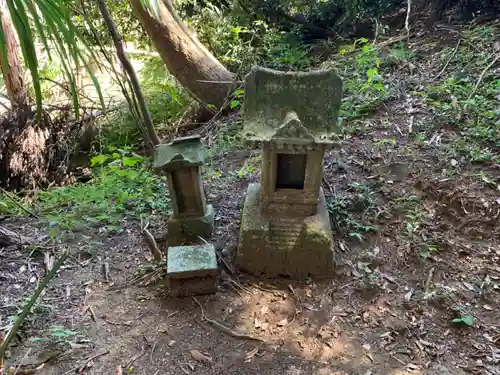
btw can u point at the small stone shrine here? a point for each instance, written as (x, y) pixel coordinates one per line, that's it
(192, 218)
(285, 227)
(191, 270)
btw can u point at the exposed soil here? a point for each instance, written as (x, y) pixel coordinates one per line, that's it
(388, 310)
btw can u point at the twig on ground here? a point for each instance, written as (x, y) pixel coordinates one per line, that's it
(407, 21)
(14, 200)
(93, 315)
(8, 237)
(429, 280)
(135, 358)
(392, 41)
(225, 329)
(483, 73)
(80, 369)
(27, 308)
(410, 125)
(105, 271)
(153, 247)
(448, 62)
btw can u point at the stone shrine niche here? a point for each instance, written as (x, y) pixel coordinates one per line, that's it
(292, 117)
(180, 161)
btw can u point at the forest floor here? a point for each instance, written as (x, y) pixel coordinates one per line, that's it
(414, 199)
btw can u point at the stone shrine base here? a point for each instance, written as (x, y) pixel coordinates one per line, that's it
(192, 270)
(182, 230)
(280, 246)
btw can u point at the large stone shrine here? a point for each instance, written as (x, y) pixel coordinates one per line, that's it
(285, 227)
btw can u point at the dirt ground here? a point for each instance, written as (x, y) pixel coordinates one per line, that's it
(387, 311)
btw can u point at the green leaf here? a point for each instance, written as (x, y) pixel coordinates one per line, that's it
(98, 160)
(235, 104)
(467, 319)
(131, 161)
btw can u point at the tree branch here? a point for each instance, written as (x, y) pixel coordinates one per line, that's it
(27, 308)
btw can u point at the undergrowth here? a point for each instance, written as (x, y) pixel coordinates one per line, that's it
(466, 98)
(122, 187)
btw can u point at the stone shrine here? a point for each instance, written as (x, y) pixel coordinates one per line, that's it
(191, 270)
(192, 218)
(285, 227)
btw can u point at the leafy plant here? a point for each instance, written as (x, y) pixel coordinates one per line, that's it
(122, 186)
(350, 211)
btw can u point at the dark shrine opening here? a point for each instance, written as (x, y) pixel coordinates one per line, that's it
(185, 195)
(290, 171)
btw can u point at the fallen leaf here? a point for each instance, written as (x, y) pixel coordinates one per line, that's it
(200, 357)
(408, 295)
(119, 370)
(283, 322)
(487, 307)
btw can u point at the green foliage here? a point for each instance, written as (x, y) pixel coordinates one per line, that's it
(124, 19)
(352, 210)
(122, 186)
(48, 21)
(166, 98)
(57, 333)
(365, 87)
(465, 103)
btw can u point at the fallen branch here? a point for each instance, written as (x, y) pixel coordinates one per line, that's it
(90, 359)
(479, 80)
(7, 194)
(8, 237)
(448, 62)
(407, 21)
(27, 308)
(152, 245)
(221, 327)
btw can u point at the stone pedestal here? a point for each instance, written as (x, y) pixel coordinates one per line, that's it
(190, 229)
(192, 270)
(274, 245)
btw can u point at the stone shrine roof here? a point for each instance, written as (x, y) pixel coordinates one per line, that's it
(181, 152)
(292, 105)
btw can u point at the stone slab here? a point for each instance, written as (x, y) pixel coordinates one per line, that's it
(185, 262)
(192, 270)
(189, 229)
(293, 247)
(194, 286)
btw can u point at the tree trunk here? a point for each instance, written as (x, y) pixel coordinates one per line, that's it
(185, 57)
(13, 72)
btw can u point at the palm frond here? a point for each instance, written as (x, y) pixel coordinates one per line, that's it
(49, 21)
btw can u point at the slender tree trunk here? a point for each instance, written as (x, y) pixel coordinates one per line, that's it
(129, 69)
(13, 72)
(185, 57)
